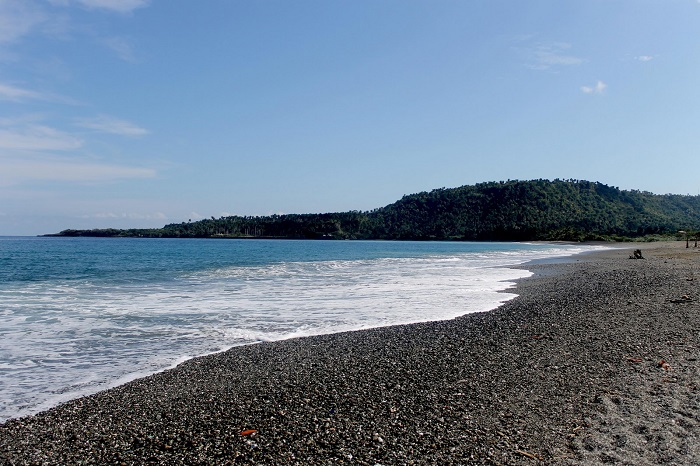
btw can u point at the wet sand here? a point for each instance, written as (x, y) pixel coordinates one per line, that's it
(596, 362)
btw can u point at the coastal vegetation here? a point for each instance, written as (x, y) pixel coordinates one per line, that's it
(568, 210)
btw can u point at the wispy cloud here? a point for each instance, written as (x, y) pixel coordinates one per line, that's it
(29, 152)
(122, 47)
(33, 148)
(12, 93)
(22, 120)
(37, 138)
(599, 88)
(17, 94)
(120, 6)
(108, 124)
(547, 56)
(555, 54)
(644, 58)
(129, 215)
(18, 170)
(18, 18)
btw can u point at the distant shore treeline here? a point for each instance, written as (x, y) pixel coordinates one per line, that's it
(570, 210)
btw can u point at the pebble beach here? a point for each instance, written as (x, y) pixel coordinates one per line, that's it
(595, 362)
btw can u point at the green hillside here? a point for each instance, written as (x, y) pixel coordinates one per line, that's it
(512, 210)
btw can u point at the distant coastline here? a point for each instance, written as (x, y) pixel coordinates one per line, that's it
(559, 210)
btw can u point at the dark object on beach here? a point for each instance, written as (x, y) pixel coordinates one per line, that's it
(637, 254)
(529, 455)
(683, 299)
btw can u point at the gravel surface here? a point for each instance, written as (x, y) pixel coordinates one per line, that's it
(596, 362)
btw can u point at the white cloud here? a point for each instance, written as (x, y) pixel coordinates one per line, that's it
(18, 18)
(645, 57)
(599, 88)
(38, 138)
(107, 124)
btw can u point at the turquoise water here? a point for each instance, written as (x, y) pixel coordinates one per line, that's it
(83, 314)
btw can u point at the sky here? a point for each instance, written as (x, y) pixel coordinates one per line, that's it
(140, 113)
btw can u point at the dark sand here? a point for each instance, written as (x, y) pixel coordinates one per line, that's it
(570, 372)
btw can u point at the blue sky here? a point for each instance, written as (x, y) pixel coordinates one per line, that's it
(139, 113)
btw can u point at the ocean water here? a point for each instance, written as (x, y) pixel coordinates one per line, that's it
(78, 315)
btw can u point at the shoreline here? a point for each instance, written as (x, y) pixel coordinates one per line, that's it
(546, 376)
(498, 290)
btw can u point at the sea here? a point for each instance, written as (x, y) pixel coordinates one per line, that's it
(79, 315)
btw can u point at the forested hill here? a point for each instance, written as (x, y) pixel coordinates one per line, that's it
(513, 210)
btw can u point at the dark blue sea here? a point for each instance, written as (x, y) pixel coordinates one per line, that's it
(78, 315)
